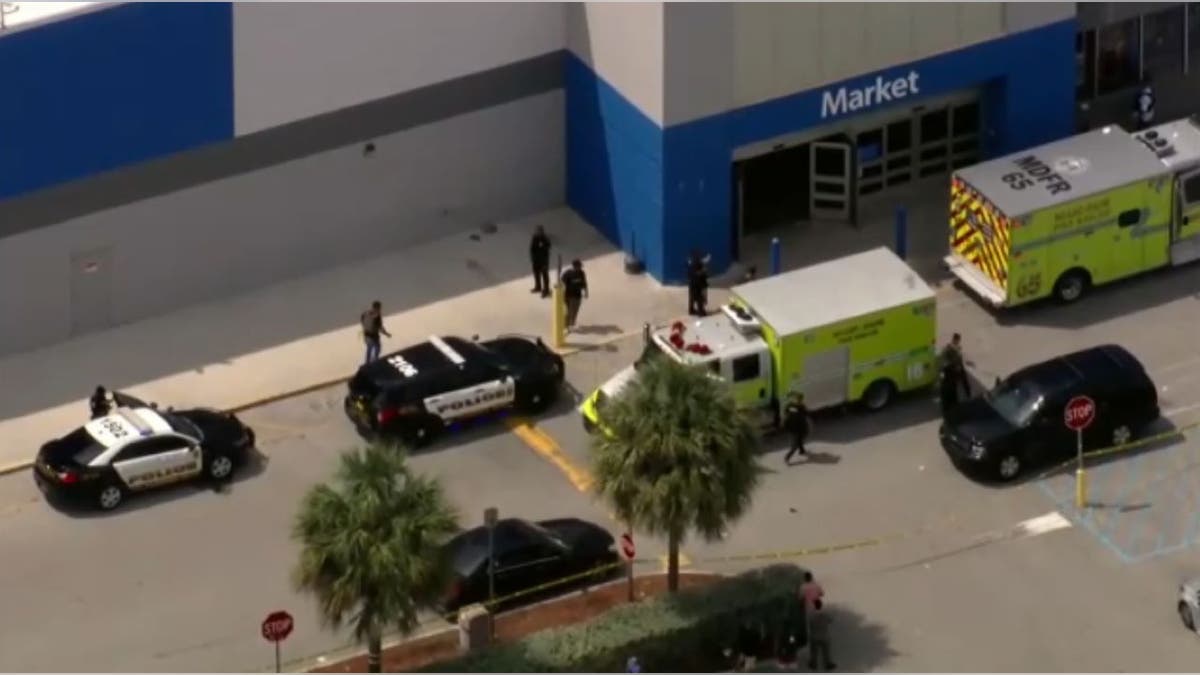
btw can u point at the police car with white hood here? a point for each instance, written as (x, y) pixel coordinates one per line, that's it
(416, 393)
(138, 447)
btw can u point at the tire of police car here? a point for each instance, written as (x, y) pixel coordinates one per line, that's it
(218, 467)
(535, 399)
(1071, 286)
(110, 496)
(419, 434)
(878, 395)
(1185, 615)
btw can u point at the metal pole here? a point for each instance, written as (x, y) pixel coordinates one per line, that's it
(490, 516)
(1080, 474)
(902, 232)
(776, 262)
(277, 665)
(629, 572)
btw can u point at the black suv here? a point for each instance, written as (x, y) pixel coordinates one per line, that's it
(415, 393)
(1020, 422)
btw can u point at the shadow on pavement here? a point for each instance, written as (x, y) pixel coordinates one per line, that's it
(211, 333)
(850, 424)
(1104, 303)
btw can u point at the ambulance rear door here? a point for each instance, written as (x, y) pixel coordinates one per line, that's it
(1185, 234)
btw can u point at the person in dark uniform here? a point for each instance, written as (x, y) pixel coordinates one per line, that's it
(575, 289)
(954, 364)
(539, 258)
(948, 389)
(697, 272)
(99, 403)
(797, 423)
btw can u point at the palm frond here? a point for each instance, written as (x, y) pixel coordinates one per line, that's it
(371, 542)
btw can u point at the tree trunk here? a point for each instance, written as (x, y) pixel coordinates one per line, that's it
(375, 652)
(673, 563)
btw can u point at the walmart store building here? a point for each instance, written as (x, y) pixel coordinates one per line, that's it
(270, 140)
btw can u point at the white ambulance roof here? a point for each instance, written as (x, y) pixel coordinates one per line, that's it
(125, 425)
(834, 291)
(718, 333)
(1089, 163)
(1177, 143)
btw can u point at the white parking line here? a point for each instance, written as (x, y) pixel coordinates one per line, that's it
(1171, 412)
(1042, 524)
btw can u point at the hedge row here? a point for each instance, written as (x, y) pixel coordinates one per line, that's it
(684, 632)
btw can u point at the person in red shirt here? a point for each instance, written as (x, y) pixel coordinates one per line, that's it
(810, 592)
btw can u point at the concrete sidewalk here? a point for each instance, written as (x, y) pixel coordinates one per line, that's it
(304, 333)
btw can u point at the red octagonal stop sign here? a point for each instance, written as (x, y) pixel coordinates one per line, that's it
(277, 626)
(1079, 413)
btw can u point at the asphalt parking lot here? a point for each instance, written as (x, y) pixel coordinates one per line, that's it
(942, 574)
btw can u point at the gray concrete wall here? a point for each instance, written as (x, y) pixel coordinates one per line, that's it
(296, 60)
(623, 43)
(230, 235)
(698, 59)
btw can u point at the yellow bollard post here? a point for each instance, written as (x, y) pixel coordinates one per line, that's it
(558, 330)
(1080, 488)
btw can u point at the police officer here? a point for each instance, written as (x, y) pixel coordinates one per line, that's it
(697, 283)
(99, 403)
(539, 259)
(1143, 105)
(797, 423)
(948, 389)
(954, 368)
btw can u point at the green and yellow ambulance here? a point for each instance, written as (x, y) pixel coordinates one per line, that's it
(857, 329)
(1058, 219)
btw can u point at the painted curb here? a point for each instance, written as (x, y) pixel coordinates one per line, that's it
(268, 400)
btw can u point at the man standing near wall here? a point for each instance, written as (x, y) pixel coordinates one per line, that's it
(539, 257)
(575, 289)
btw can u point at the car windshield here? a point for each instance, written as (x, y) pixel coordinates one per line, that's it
(183, 425)
(1016, 402)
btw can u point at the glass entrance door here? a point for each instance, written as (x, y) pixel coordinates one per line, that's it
(831, 181)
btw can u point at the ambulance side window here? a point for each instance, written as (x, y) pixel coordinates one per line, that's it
(1129, 218)
(1191, 189)
(746, 368)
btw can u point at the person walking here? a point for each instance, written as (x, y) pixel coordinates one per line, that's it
(372, 328)
(948, 389)
(955, 364)
(796, 422)
(98, 403)
(539, 258)
(1143, 105)
(810, 592)
(818, 638)
(697, 272)
(575, 289)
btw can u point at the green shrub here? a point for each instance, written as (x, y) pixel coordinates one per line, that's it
(685, 632)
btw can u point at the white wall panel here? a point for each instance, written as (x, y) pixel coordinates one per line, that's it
(807, 45)
(623, 42)
(297, 60)
(1019, 16)
(247, 231)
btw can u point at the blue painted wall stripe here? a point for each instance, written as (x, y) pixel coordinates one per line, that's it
(1028, 87)
(113, 87)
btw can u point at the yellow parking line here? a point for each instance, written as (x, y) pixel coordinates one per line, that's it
(684, 561)
(544, 445)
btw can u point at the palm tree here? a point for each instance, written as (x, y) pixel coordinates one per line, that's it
(371, 545)
(676, 455)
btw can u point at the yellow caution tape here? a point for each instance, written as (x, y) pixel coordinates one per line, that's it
(1124, 447)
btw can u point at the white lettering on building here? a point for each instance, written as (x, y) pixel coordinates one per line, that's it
(880, 92)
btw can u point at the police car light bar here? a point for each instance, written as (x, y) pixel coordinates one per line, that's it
(447, 350)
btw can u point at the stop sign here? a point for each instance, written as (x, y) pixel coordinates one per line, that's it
(277, 626)
(1079, 413)
(627, 548)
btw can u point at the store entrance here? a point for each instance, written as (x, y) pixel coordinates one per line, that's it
(773, 189)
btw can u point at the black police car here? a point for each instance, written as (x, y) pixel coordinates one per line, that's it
(136, 448)
(1020, 422)
(415, 393)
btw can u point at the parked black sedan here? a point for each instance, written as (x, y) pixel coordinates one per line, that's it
(1020, 422)
(527, 555)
